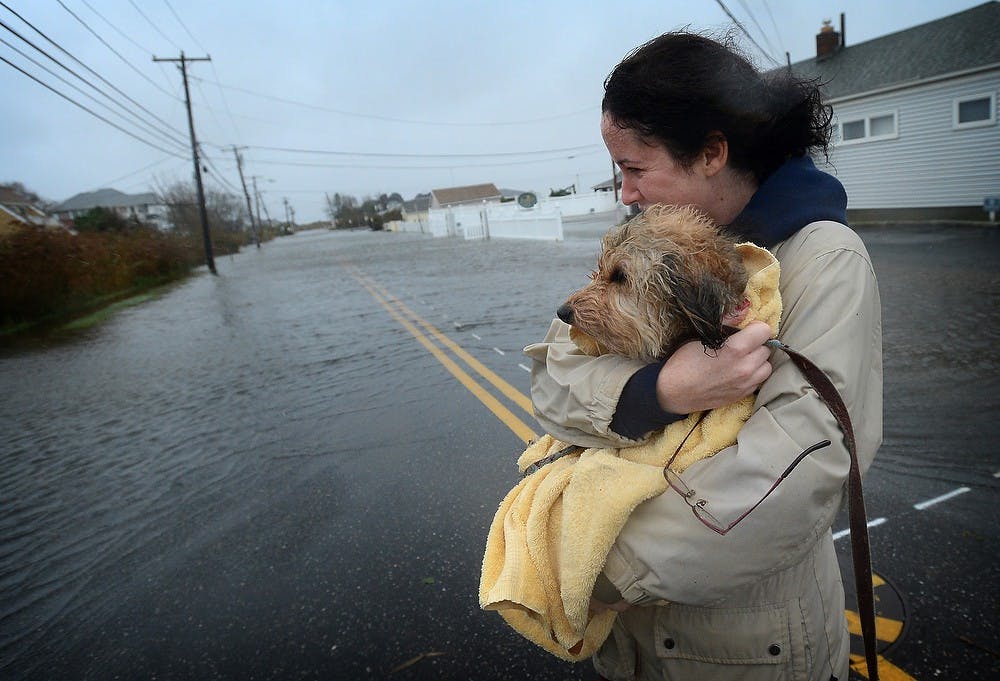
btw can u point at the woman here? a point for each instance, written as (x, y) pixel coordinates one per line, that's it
(689, 121)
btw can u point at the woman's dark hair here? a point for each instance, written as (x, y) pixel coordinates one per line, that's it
(680, 87)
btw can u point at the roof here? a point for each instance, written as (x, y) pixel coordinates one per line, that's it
(513, 193)
(606, 185)
(473, 192)
(953, 44)
(9, 196)
(107, 198)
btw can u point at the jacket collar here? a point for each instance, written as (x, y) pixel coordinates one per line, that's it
(793, 196)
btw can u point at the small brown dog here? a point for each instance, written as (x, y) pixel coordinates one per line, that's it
(664, 277)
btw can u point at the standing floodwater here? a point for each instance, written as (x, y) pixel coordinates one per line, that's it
(264, 475)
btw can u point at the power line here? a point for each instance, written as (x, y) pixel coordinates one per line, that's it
(114, 51)
(745, 32)
(326, 152)
(90, 111)
(155, 27)
(73, 57)
(423, 167)
(129, 38)
(107, 183)
(746, 9)
(401, 120)
(183, 25)
(87, 94)
(211, 64)
(777, 32)
(218, 176)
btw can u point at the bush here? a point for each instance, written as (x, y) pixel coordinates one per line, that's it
(47, 272)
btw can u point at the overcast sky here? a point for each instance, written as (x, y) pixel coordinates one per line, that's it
(408, 96)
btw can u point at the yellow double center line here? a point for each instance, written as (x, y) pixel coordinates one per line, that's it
(399, 311)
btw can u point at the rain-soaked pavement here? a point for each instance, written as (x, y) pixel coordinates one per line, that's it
(263, 475)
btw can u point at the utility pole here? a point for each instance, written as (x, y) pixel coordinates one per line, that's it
(256, 198)
(206, 237)
(263, 203)
(239, 166)
(288, 227)
(614, 179)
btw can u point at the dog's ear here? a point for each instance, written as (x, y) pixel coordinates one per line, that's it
(703, 303)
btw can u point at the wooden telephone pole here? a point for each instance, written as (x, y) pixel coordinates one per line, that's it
(209, 260)
(239, 166)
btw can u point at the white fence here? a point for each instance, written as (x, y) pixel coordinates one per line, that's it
(597, 210)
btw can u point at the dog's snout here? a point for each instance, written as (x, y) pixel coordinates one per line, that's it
(565, 313)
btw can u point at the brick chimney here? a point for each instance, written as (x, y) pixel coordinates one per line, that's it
(827, 41)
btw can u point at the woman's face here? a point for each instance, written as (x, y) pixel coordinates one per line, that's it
(650, 174)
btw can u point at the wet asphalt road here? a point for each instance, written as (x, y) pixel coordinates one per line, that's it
(264, 475)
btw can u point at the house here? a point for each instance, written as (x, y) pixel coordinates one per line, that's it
(18, 210)
(459, 196)
(611, 184)
(915, 116)
(147, 208)
(415, 210)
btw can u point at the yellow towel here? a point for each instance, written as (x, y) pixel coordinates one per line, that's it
(552, 533)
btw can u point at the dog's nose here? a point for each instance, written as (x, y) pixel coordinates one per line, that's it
(565, 313)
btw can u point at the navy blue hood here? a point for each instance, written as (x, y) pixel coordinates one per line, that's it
(790, 198)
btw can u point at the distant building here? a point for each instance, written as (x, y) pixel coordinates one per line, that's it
(915, 115)
(18, 210)
(611, 184)
(147, 208)
(458, 196)
(416, 208)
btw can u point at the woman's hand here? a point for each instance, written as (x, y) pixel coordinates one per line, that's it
(695, 380)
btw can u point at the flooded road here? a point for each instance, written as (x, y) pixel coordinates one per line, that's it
(264, 475)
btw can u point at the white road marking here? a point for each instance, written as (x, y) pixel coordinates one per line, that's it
(937, 500)
(528, 369)
(476, 336)
(997, 474)
(871, 523)
(499, 351)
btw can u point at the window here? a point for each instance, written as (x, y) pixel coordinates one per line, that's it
(854, 130)
(869, 128)
(975, 111)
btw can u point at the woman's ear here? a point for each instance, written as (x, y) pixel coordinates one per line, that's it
(715, 154)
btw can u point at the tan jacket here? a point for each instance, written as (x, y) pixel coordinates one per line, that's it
(766, 600)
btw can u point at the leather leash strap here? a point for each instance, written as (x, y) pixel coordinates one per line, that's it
(860, 549)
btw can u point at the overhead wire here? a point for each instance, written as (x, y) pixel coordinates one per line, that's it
(218, 176)
(155, 27)
(115, 52)
(88, 110)
(301, 164)
(745, 32)
(777, 31)
(167, 78)
(222, 94)
(133, 173)
(74, 58)
(401, 120)
(327, 152)
(746, 8)
(83, 92)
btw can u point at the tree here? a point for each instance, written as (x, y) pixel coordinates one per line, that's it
(225, 211)
(102, 219)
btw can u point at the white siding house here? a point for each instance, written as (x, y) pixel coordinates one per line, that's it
(915, 116)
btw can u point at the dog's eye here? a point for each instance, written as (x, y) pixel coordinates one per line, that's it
(617, 276)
